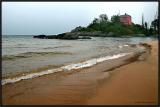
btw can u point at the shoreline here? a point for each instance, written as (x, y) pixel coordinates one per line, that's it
(73, 66)
(78, 86)
(29, 61)
(132, 84)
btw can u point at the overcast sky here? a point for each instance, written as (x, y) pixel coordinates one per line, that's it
(32, 18)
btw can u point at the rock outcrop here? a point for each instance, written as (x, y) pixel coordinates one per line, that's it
(68, 35)
(84, 35)
(40, 36)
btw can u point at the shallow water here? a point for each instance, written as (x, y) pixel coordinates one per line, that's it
(73, 87)
(25, 54)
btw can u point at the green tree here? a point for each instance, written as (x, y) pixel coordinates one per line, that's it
(95, 20)
(115, 18)
(150, 31)
(154, 24)
(103, 18)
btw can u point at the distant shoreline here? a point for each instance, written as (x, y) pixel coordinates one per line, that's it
(88, 35)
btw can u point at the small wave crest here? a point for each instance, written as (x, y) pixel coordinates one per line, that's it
(57, 47)
(31, 54)
(121, 46)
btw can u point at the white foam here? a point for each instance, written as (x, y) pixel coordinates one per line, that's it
(84, 64)
(121, 46)
(81, 65)
(28, 76)
(111, 57)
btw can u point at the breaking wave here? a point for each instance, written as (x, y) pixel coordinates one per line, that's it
(84, 64)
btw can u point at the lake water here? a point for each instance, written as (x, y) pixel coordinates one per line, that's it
(21, 54)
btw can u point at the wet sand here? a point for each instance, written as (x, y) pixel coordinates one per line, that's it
(136, 83)
(100, 84)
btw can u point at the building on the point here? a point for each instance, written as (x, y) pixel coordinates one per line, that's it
(126, 19)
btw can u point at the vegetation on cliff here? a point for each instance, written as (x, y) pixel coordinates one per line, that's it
(103, 27)
(114, 26)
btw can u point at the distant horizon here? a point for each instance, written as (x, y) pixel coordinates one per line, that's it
(36, 18)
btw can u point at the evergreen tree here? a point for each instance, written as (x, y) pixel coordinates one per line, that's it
(115, 18)
(103, 18)
(154, 24)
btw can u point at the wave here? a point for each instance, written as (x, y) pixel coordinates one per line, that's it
(57, 47)
(84, 64)
(121, 46)
(31, 54)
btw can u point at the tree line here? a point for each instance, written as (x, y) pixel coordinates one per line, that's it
(103, 24)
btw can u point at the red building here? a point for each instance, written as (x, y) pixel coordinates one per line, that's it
(125, 19)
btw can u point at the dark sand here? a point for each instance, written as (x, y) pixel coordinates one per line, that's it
(134, 83)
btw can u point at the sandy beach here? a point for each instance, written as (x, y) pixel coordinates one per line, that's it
(136, 82)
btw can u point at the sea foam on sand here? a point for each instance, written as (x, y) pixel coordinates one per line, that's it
(84, 64)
